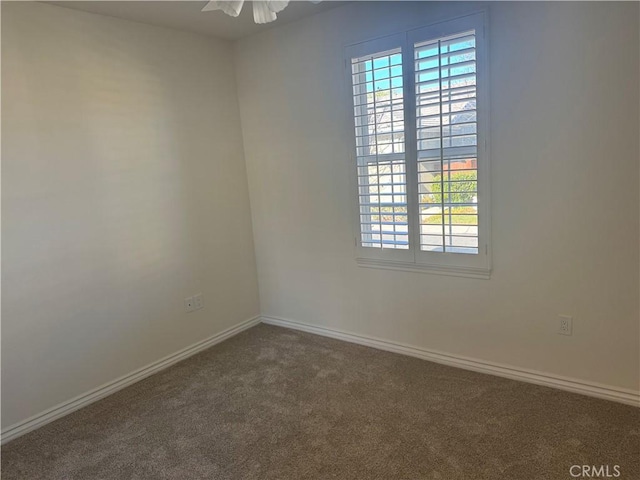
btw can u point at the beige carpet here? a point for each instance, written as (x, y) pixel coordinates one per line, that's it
(272, 403)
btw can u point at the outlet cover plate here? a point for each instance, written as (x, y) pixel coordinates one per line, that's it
(565, 325)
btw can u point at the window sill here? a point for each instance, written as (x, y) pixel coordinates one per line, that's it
(454, 271)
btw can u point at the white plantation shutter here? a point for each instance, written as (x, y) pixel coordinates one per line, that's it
(378, 99)
(447, 150)
(420, 117)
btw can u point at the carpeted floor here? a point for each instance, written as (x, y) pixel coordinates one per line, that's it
(273, 403)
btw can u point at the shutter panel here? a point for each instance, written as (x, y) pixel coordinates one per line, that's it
(447, 143)
(378, 100)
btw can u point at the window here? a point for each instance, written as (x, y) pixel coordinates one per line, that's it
(420, 118)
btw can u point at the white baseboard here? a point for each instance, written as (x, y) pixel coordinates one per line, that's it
(98, 393)
(607, 392)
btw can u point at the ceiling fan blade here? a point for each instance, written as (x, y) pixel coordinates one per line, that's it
(264, 11)
(277, 5)
(262, 14)
(230, 7)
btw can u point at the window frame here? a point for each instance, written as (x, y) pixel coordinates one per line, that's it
(414, 259)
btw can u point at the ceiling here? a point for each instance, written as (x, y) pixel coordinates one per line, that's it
(187, 15)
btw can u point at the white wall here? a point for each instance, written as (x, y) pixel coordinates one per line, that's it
(123, 191)
(565, 169)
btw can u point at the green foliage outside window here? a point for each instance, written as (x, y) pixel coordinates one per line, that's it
(460, 187)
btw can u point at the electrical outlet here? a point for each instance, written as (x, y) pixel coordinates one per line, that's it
(198, 303)
(188, 304)
(565, 327)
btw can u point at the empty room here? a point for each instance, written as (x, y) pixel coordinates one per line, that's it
(251, 240)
